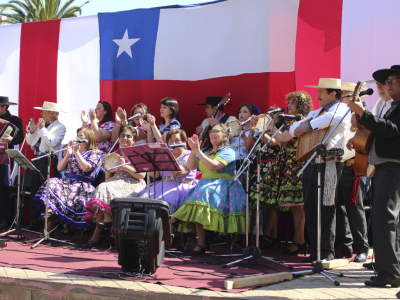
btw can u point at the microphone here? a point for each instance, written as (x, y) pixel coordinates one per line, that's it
(84, 141)
(278, 110)
(245, 122)
(368, 92)
(292, 117)
(176, 146)
(29, 124)
(135, 116)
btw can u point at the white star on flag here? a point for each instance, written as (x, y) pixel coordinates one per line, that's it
(125, 44)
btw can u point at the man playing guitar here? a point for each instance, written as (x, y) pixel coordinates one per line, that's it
(220, 117)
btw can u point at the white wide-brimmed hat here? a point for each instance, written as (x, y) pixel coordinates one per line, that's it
(49, 106)
(349, 86)
(327, 83)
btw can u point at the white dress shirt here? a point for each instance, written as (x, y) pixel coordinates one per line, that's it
(330, 118)
(51, 137)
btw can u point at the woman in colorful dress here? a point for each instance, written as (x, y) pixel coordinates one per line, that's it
(174, 185)
(120, 183)
(69, 195)
(277, 188)
(212, 205)
(104, 128)
(121, 120)
(169, 112)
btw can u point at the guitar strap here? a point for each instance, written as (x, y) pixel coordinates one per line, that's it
(224, 119)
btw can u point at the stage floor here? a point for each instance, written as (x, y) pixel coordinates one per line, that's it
(202, 276)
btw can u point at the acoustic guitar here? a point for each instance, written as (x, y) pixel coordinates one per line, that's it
(362, 143)
(204, 135)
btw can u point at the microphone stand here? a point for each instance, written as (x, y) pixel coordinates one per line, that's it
(46, 235)
(256, 253)
(320, 151)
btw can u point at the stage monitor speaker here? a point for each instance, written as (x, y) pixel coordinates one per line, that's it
(142, 231)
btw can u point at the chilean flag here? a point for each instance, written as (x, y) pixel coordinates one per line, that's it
(259, 50)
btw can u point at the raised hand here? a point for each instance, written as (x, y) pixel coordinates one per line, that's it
(122, 115)
(145, 124)
(84, 117)
(151, 120)
(194, 144)
(92, 115)
(117, 119)
(41, 123)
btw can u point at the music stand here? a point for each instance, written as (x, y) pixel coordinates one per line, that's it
(23, 162)
(151, 158)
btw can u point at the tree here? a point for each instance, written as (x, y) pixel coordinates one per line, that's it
(22, 11)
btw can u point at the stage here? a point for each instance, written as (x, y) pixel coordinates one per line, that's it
(64, 268)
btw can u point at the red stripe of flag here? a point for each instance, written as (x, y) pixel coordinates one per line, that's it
(263, 90)
(318, 43)
(38, 67)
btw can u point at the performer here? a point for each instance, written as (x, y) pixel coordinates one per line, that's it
(385, 155)
(169, 112)
(121, 119)
(211, 205)
(220, 117)
(5, 200)
(330, 113)
(69, 195)
(277, 188)
(104, 128)
(120, 183)
(351, 224)
(175, 185)
(44, 135)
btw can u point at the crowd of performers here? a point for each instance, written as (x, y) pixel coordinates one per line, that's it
(216, 201)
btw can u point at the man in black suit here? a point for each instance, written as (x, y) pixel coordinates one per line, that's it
(385, 155)
(5, 200)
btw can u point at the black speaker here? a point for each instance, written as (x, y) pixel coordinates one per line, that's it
(142, 231)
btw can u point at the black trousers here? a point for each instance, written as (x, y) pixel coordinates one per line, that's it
(351, 224)
(37, 181)
(5, 200)
(385, 225)
(328, 214)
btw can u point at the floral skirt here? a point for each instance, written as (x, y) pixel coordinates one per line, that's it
(214, 205)
(121, 185)
(67, 199)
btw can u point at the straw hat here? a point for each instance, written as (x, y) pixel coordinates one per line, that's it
(327, 83)
(349, 86)
(49, 106)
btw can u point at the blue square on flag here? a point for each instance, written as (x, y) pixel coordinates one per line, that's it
(127, 44)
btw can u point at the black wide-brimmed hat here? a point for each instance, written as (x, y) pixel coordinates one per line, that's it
(383, 74)
(212, 101)
(4, 101)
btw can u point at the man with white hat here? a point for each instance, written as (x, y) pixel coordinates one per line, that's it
(5, 200)
(385, 156)
(46, 134)
(330, 113)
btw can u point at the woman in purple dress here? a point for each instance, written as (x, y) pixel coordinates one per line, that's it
(174, 185)
(169, 112)
(68, 195)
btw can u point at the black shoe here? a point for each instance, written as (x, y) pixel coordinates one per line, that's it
(268, 242)
(300, 249)
(90, 244)
(369, 266)
(361, 257)
(201, 251)
(344, 254)
(381, 282)
(309, 259)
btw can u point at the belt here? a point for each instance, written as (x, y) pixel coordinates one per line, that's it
(78, 177)
(388, 164)
(349, 162)
(326, 159)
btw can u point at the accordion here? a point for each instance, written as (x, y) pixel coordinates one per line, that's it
(7, 128)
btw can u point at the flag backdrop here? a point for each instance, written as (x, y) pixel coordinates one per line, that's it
(256, 49)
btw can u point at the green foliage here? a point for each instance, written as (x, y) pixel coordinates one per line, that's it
(22, 11)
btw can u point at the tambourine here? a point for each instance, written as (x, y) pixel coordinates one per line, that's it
(112, 160)
(262, 121)
(234, 125)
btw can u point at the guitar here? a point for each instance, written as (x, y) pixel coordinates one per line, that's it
(362, 143)
(204, 135)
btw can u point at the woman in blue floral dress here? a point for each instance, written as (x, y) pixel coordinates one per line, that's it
(68, 195)
(212, 205)
(169, 112)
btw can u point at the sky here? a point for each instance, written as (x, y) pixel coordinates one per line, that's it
(96, 6)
